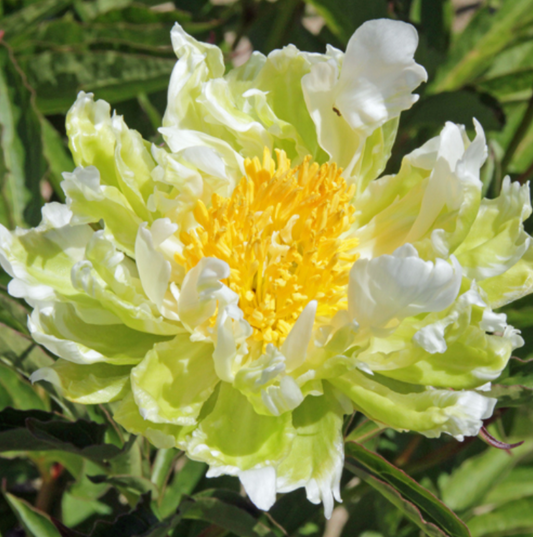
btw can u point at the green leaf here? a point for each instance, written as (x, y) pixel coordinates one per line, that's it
(57, 77)
(184, 483)
(21, 161)
(225, 515)
(57, 156)
(435, 18)
(517, 388)
(65, 32)
(433, 511)
(366, 430)
(518, 484)
(21, 352)
(17, 392)
(490, 32)
(136, 13)
(31, 15)
(343, 18)
(136, 485)
(36, 523)
(35, 430)
(75, 510)
(460, 106)
(511, 519)
(140, 522)
(403, 505)
(472, 481)
(13, 313)
(511, 85)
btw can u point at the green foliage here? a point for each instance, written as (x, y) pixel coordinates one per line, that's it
(69, 470)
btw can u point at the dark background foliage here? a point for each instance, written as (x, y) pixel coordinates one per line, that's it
(68, 470)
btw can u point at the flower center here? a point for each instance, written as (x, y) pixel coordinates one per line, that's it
(280, 233)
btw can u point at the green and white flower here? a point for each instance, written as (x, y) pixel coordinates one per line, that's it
(238, 291)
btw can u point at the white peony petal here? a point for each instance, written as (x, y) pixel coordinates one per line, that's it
(392, 287)
(283, 398)
(379, 74)
(201, 293)
(154, 269)
(294, 348)
(197, 300)
(374, 85)
(161, 230)
(260, 485)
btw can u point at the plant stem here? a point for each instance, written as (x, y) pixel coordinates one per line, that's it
(162, 466)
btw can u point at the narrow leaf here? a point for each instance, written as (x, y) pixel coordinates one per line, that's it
(490, 32)
(35, 522)
(473, 480)
(225, 515)
(21, 161)
(35, 430)
(407, 507)
(513, 518)
(431, 508)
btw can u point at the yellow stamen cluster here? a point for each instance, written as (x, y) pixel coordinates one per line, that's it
(280, 234)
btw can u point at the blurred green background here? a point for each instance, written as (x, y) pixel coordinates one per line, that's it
(68, 470)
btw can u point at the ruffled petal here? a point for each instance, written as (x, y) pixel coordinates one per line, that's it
(40, 260)
(91, 202)
(461, 347)
(317, 456)
(432, 202)
(60, 329)
(233, 438)
(120, 154)
(202, 293)
(174, 380)
(161, 435)
(92, 384)
(411, 408)
(497, 240)
(389, 288)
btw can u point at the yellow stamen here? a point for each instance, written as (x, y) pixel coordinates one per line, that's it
(280, 234)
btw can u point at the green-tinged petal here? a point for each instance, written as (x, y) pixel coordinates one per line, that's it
(233, 437)
(431, 203)
(497, 240)
(120, 154)
(60, 329)
(266, 386)
(191, 174)
(412, 408)
(40, 260)
(376, 152)
(516, 283)
(454, 348)
(91, 139)
(198, 62)
(280, 104)
(87, 384)
(201, 99)
(174, 380)
(317, 455)
(161, 435)
(134, 310)
(91, 202)
(134, 165)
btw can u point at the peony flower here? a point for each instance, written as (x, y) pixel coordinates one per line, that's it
(240, 290)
